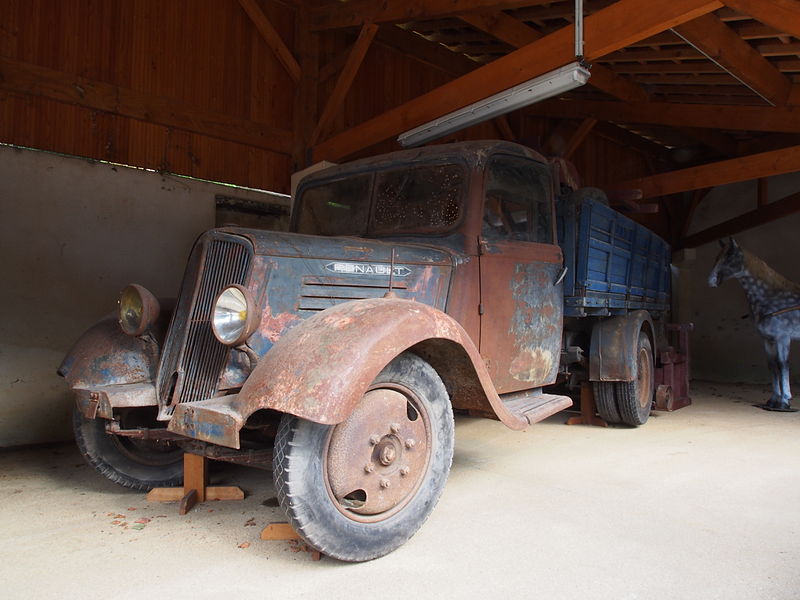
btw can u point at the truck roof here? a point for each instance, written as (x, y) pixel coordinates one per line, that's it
(474, 152)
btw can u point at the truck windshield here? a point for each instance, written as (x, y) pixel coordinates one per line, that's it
(406, 200)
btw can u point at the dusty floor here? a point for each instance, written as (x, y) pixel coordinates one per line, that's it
(700, 503)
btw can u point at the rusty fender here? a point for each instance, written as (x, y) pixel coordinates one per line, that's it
(612, 356)
(321, 368)
(104, 355)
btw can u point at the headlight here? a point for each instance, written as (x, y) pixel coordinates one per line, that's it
(235, 316)
(138, 309)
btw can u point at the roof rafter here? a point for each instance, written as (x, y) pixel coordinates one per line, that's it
(606, 31)
(272, 38)
(516, 33)
(710, 116)
(345, 80)
(744, 168)
(358, 12)
(715, 39)
(783, 15)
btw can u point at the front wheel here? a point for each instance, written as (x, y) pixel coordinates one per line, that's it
(132, 463)
(360, 489)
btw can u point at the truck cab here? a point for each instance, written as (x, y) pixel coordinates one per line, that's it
(409, 285)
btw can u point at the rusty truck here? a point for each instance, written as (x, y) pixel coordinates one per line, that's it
(460, 277)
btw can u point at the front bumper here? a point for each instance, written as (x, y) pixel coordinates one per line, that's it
(216, 421)
(100, 401)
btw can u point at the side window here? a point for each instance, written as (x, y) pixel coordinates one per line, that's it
(517, 204)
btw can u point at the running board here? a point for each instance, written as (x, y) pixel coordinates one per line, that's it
(535, 406)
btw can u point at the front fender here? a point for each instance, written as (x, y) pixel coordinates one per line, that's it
(612, 356)
(321, 368)
(105, 355)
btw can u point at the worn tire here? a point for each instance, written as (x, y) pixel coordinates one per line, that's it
(304, 483)
(635, 398)
(605, 401)
(137, 465)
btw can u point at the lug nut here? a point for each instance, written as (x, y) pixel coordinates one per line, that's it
(368, 468)
(394, 427)
(410, 443)
(374, 439)
(385, 483)
(405, 471)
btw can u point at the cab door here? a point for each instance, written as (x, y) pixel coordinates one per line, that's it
(520, 272)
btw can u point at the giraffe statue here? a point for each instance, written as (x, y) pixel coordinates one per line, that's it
(774, 306)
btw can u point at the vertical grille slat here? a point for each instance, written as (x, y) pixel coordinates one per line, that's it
(191, 347)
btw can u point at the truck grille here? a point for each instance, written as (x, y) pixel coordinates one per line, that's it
(193, 358)
(319, 293)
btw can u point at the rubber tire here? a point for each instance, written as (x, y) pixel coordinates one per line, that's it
(606, 402)
(627, 392)
(102, 452)
(301, 489)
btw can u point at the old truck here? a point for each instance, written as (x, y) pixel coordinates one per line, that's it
(410, 284)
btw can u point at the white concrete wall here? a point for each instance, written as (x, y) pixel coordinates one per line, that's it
(72, 234)
(725, 346)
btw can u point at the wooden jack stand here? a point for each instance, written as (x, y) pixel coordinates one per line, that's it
(284, 531)
(587, 409)
(195, 487)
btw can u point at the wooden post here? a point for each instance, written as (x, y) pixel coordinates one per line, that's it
(195, 487)
(587, 409)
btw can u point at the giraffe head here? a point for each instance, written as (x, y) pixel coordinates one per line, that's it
(730, 263)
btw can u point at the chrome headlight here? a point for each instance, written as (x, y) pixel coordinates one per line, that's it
(138, 309)
(235, 317)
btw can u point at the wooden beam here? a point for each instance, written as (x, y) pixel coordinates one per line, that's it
(504, 127)
(416, 47)
(627, 139)
(304, 117)
(355, 13)
(783, 15)
(346, 77)
(761, 215)
(711, 116)
(743, 168)
(517, 34)
(32, 80)
(272, 38)
(716, 40)
(607, 30)
(584, 129)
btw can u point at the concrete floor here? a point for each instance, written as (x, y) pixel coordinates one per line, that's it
(701, 503)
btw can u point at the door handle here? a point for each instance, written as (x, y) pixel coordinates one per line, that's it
(561, 276)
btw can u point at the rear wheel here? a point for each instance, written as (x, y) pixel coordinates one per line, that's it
(635, 398)
(358, 490)
(606, 402)
(132, 463)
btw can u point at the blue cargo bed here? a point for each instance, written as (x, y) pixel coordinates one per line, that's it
(613, 264)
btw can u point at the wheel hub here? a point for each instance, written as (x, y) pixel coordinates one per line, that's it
(376, 459)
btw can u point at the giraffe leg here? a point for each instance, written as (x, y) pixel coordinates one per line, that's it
(782, 345)
(771, 348)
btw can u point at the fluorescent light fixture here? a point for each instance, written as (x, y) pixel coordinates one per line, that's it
(545, 86)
